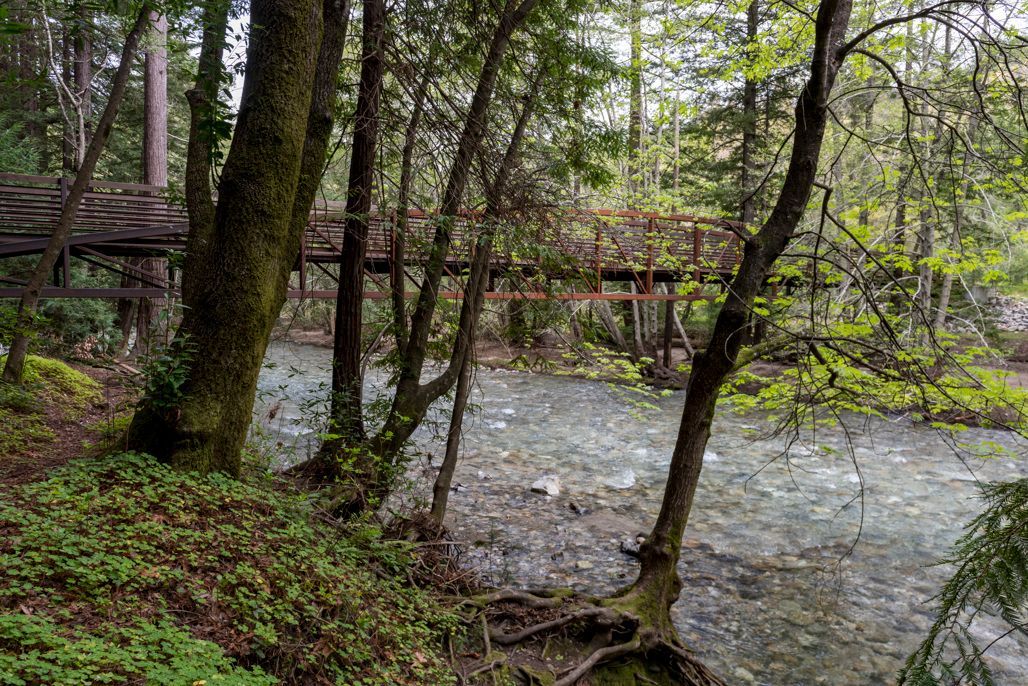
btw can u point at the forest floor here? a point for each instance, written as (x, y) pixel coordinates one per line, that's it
(120, 570)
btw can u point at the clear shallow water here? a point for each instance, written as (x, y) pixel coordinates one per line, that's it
(764, 599)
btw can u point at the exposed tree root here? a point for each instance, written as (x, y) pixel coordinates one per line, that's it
(530, 631)
(598, 657)
(613, 645)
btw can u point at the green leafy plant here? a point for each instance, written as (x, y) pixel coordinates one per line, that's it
(165, 373)
(121, 570)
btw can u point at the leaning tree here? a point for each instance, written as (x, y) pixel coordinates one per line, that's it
(842, 364)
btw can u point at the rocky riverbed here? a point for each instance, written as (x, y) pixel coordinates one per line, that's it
(805, 562)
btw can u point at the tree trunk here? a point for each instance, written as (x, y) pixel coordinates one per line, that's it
(15, 366)
(397, 276)
(669, 332)
(689, 350)
(677, 155)
(475, 290)
(346, 417)
(412, 397)
(747, 211)
(441, 488)
(658, 583)
(610, 324)
(635, 104)
(238, 265)
(155, 161)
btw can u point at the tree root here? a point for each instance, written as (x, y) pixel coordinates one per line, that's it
(519, 636)
(598, 657)
(526, 598)
(621, 646)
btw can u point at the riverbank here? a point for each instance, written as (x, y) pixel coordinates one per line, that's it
(119, 570)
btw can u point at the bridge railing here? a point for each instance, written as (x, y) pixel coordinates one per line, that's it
(597, 245)
(31, 205)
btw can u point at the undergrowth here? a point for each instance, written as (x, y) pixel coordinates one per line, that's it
(120, 570)
(46, 383)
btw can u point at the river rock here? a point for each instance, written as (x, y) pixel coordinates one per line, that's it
(745, 676)
(547, 485)
(630, 546)
(622, 480)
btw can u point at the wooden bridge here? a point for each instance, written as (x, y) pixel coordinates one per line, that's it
(583, 248)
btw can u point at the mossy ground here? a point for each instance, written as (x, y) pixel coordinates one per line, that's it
(49, 385)
(120, 570)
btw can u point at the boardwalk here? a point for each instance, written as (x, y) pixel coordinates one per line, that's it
(583, 249)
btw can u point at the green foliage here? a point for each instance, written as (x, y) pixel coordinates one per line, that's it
(942, 386)
(135, 568)
(165, 373)
(65, 325)
(18, 154)
(58, 382)
(35, 650)
(624, 376)
(991, 577)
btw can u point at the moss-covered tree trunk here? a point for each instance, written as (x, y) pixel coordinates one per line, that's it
(658, 584)
(238, 260)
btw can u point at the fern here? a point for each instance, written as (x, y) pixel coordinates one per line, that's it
(991, 577)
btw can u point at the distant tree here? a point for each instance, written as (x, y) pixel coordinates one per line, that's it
(15, 364)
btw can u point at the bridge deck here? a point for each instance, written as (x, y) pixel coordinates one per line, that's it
(118, 220)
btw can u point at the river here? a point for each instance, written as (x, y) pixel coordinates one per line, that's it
(766, 599)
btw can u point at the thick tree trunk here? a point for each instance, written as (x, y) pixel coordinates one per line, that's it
(238, 265)
(155, 162)
(635, 104)
(14, 368)
(658, 584)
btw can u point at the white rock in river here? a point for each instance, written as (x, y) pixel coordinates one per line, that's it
(549, 484)
(623, 479)
(710, 456)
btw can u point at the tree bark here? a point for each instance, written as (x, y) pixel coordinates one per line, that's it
(412, 398)
(155, 161)
(15, 366)
(347, 380)
(658, 584)
(238, 265)
(747, 208)
(397, 276)
(476, 290)
(635, 104)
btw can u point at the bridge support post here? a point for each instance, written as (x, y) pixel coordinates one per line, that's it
(651, 237)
